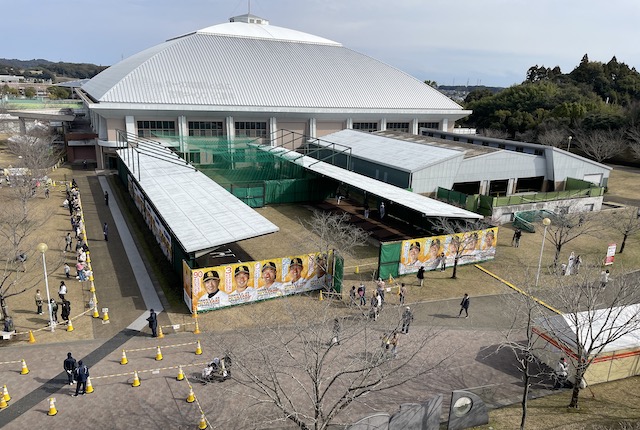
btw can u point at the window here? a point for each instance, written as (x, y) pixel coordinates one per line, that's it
(156, 128)
(369, 127)
(398, 126)
(435, 125)
(251, 129)
(205, 128)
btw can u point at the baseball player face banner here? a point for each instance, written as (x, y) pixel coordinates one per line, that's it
(217, 287)
(430, 252)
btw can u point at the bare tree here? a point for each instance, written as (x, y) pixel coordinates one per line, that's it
(554, 137)
(464, 236)
(298, 374)
(601, 145)
(593, 317)
(566, 227)
(627, 223)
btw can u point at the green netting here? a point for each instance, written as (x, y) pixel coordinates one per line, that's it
(246, 168)
(389, 259)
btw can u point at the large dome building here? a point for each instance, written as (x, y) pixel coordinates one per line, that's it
(246, 78)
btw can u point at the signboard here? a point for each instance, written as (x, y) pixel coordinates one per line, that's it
(217, 287)
(611, 253)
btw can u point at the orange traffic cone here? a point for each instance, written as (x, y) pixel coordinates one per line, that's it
(89, 389)
(198, 349)
(52, 407)
(32, 338)
(124, 360)
(180, 376)
(192, 397)
(136, 380)
(25, 369)
(203, 423)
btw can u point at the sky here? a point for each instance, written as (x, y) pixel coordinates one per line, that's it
(452, 42)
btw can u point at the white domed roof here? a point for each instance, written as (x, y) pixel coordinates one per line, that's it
(254, 66)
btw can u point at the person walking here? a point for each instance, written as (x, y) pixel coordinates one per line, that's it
(153, 323)
(604, 278)
(337, 327)
(361, 292)
(443, 262)
(352, 296)
(54, 310)
(380, 287)
(46, 192)
(69, 366)
(66, 310)
(382, 210)
(394, 344)
(68, 241)
(561, 373)
(106, 198)
(402, 293)
(515, 240)
(67, 271)
(376, 304)
(105, 231)
(82, 373)
(464, 306)
(407, 317)
(62, 290)
(39, 302)
(420, 275)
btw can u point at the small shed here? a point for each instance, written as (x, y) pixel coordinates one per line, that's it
(618, 328)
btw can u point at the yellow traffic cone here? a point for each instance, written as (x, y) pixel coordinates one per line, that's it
(197, 330)
(321, 298)
(203, 423)
(25, 369)
(89, 389)
(32, 338)
(96, 314)
(92, 289)
(180, 376)
(357, 269)
(88, 257)
(160, 333)
(192, 397)
(198, 348)
(5, 394)
(69, 326)
(3, 403)
(105, 317)
(52, 407)
(124, 360)
(158, 354)
(136, 380)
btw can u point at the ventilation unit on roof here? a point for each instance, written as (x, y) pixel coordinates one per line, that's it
(249, 19)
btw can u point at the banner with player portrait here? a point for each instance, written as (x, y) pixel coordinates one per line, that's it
(434, 252)
(217, 287)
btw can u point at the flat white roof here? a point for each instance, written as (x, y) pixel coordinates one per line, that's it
(200, 213)
(398, 154)
(425, 205)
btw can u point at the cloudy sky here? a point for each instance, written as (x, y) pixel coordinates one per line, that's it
(453, 42)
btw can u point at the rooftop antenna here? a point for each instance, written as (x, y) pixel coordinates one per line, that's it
(249, 6)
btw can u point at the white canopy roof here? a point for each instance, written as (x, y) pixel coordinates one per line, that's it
(200, 213)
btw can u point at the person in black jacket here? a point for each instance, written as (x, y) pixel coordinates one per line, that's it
(464, 306)
(82, 373)
(153, 323)
(66, 310)
(70, 367)
(420, 275)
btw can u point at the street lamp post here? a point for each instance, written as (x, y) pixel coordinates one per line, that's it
(42, 247)
(546, 222)
(569, 145)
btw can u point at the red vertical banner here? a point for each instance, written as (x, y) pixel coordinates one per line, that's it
(611, 253)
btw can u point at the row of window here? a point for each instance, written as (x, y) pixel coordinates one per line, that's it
(250, 128)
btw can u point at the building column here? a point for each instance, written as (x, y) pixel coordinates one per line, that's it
(230, 127)
(130, 125)
(414, 126)
(273, 127)
(313, 131)
(511, 186)
(383, 124)
(349, 123)
(484, 187)
(102, 129)
(445, 124)
(183, 131)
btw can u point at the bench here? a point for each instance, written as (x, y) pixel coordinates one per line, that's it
(6, 335)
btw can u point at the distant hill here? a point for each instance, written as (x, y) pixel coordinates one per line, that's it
(44, 69)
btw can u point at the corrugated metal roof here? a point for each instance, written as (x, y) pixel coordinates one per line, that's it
(211, 69)
(200, 213)
(425, 205)
(386, 151)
